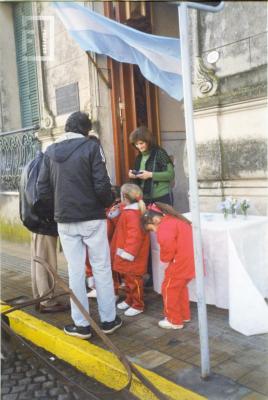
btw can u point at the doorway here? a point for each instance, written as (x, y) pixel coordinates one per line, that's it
(134, 100)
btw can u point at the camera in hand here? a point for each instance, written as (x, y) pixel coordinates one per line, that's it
(135, 172)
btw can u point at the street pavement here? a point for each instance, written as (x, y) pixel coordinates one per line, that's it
(239, 367)
(25, 376)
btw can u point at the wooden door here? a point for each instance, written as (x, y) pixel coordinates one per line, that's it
(134, 99)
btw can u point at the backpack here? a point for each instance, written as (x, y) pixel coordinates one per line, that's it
(29, 214)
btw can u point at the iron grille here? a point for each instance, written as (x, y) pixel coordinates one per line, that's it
(17, 148)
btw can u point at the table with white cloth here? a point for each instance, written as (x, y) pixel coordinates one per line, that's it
(236, 269)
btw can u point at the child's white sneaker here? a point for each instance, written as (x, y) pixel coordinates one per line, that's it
(123, 305)
(131, 312)
(90, 282)
(92, 294)
(164, 323)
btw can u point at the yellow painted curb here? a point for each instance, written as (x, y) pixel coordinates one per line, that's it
(90, 359)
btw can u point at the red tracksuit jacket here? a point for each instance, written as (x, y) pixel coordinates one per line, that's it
(130, 238)
(176, 246)
(112, 219)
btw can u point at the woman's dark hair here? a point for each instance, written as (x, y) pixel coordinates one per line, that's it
(78, 122)
(141, 133)
(147, 217)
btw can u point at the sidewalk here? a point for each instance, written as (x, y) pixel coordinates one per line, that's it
(239, 368)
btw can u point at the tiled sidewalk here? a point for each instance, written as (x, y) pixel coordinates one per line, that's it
(239, 364)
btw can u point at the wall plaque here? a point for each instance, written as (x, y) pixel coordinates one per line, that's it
(67, 99)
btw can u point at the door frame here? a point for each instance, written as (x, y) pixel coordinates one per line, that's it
(123, 103)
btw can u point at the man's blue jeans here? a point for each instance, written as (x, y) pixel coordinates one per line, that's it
(75, 237)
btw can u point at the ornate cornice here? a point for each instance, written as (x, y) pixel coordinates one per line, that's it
(205, 78)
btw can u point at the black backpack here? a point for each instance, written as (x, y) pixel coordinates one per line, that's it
(29, 214)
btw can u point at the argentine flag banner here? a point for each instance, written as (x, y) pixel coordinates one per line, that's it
(158, 57)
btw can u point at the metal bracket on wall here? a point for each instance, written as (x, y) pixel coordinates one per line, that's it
(99, 71)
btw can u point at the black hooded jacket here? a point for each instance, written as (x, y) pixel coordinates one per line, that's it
(74, 170)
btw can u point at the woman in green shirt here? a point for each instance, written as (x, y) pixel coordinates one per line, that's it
(153, 169)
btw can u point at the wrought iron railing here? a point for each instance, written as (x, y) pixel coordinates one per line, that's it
(17, 148)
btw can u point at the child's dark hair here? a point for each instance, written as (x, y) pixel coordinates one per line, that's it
(160, 210)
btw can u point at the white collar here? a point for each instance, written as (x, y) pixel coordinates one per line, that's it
(69, 135)
(133, 206)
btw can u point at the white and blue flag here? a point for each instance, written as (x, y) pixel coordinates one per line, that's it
(158, 57)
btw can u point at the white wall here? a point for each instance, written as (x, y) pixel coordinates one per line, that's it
(233, 156)
(70, 65)
(9, 90)
(172, 127)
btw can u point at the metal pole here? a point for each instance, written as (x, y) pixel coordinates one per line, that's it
(194, 202)
(205, 7)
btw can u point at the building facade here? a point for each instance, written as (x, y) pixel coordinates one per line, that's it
(46, 76)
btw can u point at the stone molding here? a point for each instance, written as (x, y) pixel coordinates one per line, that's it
(244, 86)
(234, 184)
(232, 108)
(48, 136)
(206, 79)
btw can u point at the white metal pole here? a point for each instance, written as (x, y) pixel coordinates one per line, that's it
(194, 201)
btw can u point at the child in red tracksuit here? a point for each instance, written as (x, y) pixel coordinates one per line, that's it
(130, 248)
(174, 235)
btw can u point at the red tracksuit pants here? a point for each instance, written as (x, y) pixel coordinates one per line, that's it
(176, 299)
(116, 278)
(134, 291)
(89, 272)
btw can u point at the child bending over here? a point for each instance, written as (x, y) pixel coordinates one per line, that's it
(174, 235)
(130, 247)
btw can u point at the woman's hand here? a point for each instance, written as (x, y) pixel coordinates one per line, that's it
(145, 175)
(130, 175)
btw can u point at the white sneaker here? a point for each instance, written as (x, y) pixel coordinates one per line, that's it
(131, 312)
(92, 294)
(123, 305)
(164, 323)
(90, 282)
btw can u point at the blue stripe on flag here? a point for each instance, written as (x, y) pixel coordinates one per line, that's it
(158, 57)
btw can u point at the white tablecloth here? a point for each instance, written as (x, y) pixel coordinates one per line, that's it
(236, 262)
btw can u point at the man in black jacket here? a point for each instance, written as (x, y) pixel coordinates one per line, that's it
(74, 169)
